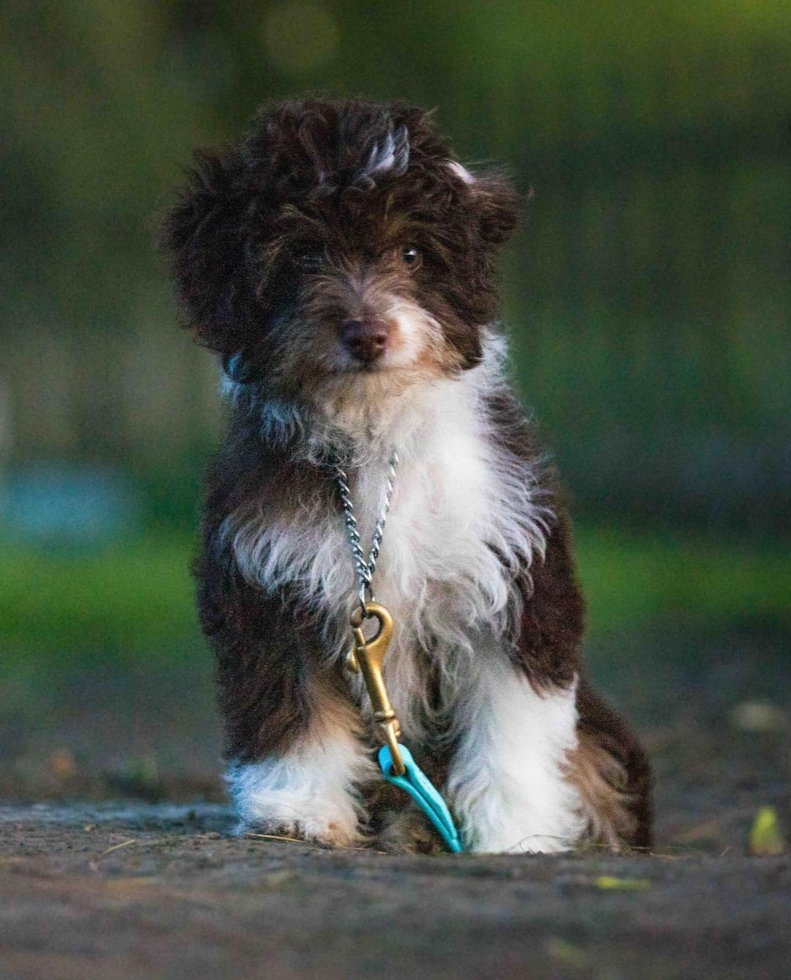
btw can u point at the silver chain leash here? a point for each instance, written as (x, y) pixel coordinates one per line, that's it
(367, 656)
(365, 568)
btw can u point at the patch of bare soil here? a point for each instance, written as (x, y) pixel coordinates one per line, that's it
(159, 891)
(142, 887)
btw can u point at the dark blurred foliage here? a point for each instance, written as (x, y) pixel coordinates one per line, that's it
(648, 292)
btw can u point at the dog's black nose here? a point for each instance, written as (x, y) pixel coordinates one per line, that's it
(365, 339)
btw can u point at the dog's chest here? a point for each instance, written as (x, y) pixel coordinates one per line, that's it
(438, 532)
(462, 523)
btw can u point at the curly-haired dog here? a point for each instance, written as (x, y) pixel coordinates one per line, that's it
(340, 260)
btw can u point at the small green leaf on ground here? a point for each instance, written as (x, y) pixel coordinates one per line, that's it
(608, 883)
(766, 837)
(567, 953)
(279, 879)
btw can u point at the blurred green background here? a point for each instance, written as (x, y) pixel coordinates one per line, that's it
(648, 292)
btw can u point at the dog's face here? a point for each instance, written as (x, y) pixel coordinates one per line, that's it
(340, 245)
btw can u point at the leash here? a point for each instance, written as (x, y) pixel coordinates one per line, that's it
(367, 657)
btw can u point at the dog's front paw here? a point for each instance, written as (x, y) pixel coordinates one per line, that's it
(267, 804)
(315, 827)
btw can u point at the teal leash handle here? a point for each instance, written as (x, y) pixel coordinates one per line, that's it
(415, 782)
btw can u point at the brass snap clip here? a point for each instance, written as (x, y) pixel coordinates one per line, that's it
(368, 657)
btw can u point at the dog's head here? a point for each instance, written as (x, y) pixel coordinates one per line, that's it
(340, 244)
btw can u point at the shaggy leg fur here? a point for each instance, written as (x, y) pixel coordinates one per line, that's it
(507, 782)
(311, 790)
(612, 775)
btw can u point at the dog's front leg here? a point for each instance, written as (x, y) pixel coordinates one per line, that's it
(309, 788)
(296, 761)
(507, 781)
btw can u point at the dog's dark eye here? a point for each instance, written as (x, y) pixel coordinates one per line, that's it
(310, 259)
(411, 256)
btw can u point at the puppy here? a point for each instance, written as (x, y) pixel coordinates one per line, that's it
(340, 261)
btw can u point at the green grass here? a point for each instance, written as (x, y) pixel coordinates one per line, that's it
(633, 579)
(131, 600)
(134, 600)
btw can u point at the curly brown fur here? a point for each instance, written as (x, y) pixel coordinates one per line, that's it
(301, 182)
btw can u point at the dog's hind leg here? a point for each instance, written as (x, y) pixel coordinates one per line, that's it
(611, 772)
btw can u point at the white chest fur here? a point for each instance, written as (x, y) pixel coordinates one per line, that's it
(465, 514)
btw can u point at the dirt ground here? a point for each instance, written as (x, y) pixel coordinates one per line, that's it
(111, 877)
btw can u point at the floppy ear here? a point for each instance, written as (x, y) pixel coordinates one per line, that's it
(494, 200)
(204, 235)
(497, 203)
